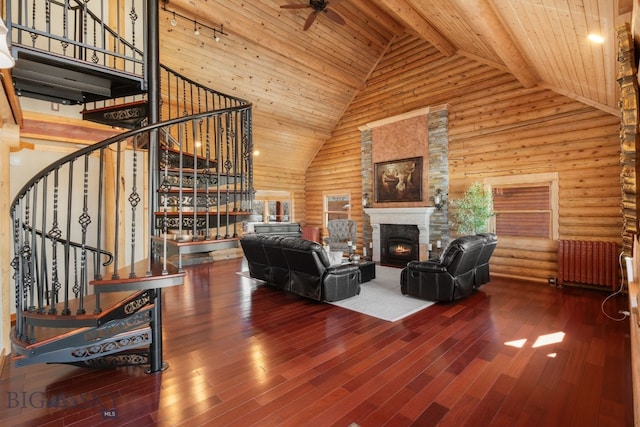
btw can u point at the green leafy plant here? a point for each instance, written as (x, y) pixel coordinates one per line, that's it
(472, 212)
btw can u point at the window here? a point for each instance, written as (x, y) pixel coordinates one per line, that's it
(526, 205)
(336, 206)
(522, 211)
(273, 206)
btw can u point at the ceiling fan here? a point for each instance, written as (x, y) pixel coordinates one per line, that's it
(317, 6)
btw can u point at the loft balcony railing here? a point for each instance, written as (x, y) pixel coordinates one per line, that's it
(106, 36)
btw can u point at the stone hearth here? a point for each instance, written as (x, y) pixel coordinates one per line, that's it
(407, 216)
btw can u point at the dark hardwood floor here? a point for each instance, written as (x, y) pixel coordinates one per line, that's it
(513, 354)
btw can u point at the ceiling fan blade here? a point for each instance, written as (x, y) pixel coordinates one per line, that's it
(335, 17)
(310, 19)
(294, 6)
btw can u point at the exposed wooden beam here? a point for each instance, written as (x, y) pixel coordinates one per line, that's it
(407, 14)
(10, 111)
(50, 127)
(485, 20)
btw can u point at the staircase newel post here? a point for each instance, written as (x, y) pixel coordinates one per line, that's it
(156, 363)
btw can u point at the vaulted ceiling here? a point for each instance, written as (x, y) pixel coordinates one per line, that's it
(301, 82)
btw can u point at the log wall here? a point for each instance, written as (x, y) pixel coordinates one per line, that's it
(497, 128)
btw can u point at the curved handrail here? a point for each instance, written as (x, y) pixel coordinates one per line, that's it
(62, 241)
(119, 137)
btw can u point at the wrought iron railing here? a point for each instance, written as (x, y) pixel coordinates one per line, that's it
(126, 199)
(97, 200)
(105, 33)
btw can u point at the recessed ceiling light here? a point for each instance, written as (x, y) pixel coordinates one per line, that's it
(596, 38)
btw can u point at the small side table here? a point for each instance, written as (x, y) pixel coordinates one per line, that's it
(367, 270)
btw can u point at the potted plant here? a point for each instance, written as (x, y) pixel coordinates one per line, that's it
(472, 212)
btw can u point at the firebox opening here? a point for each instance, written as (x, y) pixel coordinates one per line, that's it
(399, 244)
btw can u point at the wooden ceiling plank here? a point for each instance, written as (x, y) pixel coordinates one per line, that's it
(562, 27)
(488, 24)
(246, 28)
(610, 92)
(589, 55)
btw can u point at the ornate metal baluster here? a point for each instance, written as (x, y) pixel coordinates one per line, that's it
(43, 288)
(194, 182)
(228, 164)
(181, 143)
(67, 245)
(165, 187)
(206, 178)
(85, 30)
(94, 57)
(54, 234)
(33, 276)
(19, 271)
(248, 144)
(134, 199)
(219, 134)
(116, 237)
(34, 36)
(65, 28)
(84, 220)
(97, 272)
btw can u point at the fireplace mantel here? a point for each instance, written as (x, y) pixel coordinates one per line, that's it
(405, 216)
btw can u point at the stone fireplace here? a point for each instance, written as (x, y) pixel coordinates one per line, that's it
(418, 217)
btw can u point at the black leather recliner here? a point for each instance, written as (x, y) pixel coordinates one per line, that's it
(299, 266)
(482, 275)
(448, 278)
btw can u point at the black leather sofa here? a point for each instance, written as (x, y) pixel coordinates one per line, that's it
(300, 266)
(462, 268)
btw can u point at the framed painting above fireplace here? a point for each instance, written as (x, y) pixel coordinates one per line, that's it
(399, 180)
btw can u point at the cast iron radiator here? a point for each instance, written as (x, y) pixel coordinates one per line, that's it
(588, 263)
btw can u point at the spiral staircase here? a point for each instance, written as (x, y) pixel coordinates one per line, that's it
(99, 233)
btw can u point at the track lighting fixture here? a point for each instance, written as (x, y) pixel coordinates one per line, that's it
(197, 27)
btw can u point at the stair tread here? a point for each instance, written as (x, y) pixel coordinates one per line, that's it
(140, 269)
(176, 190)
(201, 171)
(45, 335)
(116, 107)
(175, 242)
(200, 157)
(106, 300)
(203, 213)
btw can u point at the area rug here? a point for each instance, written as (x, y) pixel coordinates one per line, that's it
(381, 297)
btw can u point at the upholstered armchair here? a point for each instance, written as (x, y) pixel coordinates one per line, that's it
(340, 231)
